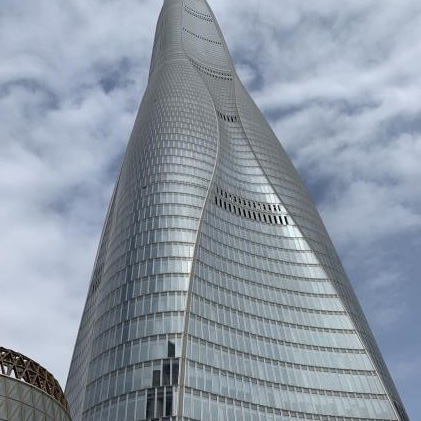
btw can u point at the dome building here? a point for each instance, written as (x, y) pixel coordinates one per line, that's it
(28, 392)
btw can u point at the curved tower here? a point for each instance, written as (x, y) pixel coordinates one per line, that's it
(217, 293)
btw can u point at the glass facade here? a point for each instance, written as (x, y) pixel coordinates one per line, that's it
(216, 292)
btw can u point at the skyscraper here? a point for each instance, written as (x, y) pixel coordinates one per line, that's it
(216, 292)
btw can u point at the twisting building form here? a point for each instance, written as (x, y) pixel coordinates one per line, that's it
(216, 293)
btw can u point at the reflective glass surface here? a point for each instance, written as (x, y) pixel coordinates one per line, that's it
(217, 293)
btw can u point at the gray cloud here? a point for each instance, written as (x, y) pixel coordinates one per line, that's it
(339, 81)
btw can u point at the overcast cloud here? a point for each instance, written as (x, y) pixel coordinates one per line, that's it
(340, 83)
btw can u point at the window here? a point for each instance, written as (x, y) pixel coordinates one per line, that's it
(166, 373)
(150, 404)
(226, 203)
(156, 378)
(168, 403)
(171, 349)
(175, 372)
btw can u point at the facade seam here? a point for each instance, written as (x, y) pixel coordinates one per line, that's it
(183, 360)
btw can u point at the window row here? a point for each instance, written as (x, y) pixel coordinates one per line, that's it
(259, 280)
(229, 118)
(188, 178)
(294, 380)
(180, 169)
(244, 242)
(211, 72)
(133, 354)
(132, 407)
(202, 154)
(141, 327)
(205, 406)
(269, 262)
(232, 293)
(161, 266)
(250, 240)
(177, 160)
(186, 188)
(289, 332)
(202, 37)
(230, 359)
(263, 235)
(278, 349)
(250, 389)
(146, 234)
(197, 14)
(256, 216)
(132, 379)
(281, 312)
(162, 250)
(162, 222)
(148, 285)
(148, 304)
(248, 266)
(186, 149)
(144, 305)
(269, 207)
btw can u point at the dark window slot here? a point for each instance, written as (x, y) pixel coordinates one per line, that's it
(156, 378)
(168, 404)
(271, 218)
(166, 373)
(171, 349)
(150, 404)
(160, 403)
(175, 372)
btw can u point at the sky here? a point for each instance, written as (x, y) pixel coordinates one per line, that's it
(340, 83)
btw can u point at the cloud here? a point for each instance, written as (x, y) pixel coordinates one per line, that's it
(70, 83)
(339, 82)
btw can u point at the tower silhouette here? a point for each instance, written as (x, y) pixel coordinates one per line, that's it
(216, 292)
